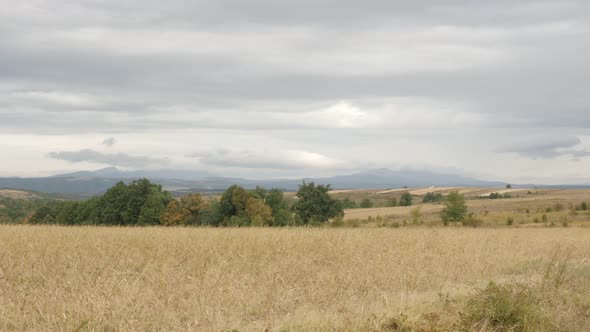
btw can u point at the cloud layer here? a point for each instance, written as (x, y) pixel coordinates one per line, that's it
(298, 85)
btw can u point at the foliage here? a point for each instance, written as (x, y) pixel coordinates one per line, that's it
(315, 205)
(496, 195)
(14, 210)
(432, 197)
(455, 208)
(366, 203)
(347, 203)
(511, 307)
(139, 203)
(405, 199)
(258, 213)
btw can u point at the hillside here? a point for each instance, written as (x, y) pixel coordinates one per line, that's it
(91, 183)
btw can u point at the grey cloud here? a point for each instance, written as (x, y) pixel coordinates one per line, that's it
(534, 58)
(547, 148)
(113, 159)
(109, 141)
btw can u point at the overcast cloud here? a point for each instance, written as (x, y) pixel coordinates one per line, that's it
(494, 89)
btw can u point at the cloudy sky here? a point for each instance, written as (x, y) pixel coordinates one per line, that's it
(493, 89)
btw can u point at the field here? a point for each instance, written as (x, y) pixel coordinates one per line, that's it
(384, 272)
(526, 207)
(121, 279)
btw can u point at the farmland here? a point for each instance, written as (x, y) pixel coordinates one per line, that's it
(366, 275)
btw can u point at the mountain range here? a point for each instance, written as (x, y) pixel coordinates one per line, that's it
(88, 183)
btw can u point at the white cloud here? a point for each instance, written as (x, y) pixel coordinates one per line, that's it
(288, 159)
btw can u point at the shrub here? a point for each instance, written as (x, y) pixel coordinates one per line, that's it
(472, 221)
(513, 307)
(455, 208)
(347, 203)
(432, 197)
(405, 199)
(584, 206)
(509, 221)
(366, 203)
(558, 207)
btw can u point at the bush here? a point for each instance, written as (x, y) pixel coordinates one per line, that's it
(366, 203)
(347, 203)
(432, 198)
(455, 208)
(405, 200)
(509, 221)
(392, 202)
(513, 307)
(472, 221)
(416, 215)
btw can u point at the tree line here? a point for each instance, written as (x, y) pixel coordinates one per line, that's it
(144, 203)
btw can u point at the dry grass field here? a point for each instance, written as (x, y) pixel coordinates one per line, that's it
(292, 279)
(527, 208)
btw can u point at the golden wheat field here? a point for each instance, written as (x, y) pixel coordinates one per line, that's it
(292, 279)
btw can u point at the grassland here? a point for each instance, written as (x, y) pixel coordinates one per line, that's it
(527, 207)
(299, 279)
(374, 277)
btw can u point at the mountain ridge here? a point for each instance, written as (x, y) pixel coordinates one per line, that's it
(95, 182)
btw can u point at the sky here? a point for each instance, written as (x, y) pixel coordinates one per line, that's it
(496, 90)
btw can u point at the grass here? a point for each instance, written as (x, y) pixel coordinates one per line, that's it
(302, 279)
(538, 209)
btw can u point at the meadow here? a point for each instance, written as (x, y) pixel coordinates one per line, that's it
(90, 278)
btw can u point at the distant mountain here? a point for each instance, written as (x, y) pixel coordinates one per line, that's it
(386, 178)
(89, 183)
(115, 173)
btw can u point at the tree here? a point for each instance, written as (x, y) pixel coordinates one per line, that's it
(455, 208)
(173, 215)
(315, 204)
(508, 186)
(192, 205)
(259, 213)
(275, 199)
(233, 203)
(405, 200)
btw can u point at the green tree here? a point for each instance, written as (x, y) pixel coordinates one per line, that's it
(233, 203)
(314, 204)
(455, 208)
(405, 200)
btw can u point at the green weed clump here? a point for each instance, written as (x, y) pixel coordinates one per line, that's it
(509, 307)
